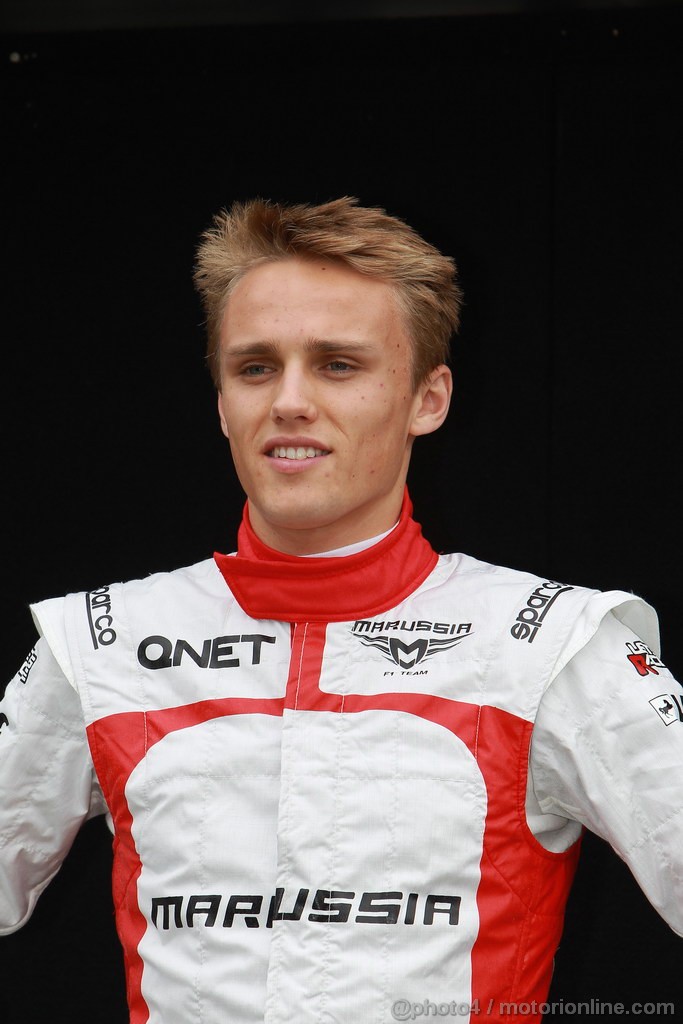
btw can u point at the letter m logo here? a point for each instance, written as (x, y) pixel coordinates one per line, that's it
(410, 655)
(407, 655)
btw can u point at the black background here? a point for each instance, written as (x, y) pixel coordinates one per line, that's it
(541, 149)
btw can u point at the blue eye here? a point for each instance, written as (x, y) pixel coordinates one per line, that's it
(339, 366)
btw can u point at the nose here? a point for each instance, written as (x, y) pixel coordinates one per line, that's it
(293, 398)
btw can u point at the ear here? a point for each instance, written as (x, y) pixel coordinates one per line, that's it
(433, 398)
(221, 415)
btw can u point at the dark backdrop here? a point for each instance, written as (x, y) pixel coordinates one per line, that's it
(542, 151)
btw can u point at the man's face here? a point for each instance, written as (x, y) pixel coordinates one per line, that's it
(317, 402)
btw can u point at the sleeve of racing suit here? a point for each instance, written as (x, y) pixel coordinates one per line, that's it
(607, 751)
(47, 782)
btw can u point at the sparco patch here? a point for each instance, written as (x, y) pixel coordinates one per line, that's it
(100, 618)
(407, 654)
(532, 616)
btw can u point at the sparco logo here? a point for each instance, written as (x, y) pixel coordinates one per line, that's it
(219, 652)
(323, 906)
(98, 605)
(532, 615)
(408, 655)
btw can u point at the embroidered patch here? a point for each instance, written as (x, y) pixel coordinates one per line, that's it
(643, 658)
(405, 654)
(669, 707)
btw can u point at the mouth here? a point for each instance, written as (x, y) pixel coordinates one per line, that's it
(298, 453)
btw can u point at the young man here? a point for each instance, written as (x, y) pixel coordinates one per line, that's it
(345, 775)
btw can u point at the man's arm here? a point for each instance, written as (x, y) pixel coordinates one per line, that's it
(47, 783)
(607, 751)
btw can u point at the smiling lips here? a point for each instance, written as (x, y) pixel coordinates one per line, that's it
(297, 453)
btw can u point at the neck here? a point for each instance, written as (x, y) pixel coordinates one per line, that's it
(270, 584)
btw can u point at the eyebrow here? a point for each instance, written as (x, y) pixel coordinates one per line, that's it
(322, 346)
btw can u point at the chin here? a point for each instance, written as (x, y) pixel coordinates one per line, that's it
(287, 512)
(299, 519)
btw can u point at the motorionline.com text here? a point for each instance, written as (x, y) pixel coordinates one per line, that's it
(404, 1009)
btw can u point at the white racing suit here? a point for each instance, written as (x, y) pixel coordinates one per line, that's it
(317, 774)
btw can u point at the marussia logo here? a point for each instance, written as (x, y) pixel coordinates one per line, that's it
(643, 659)
(408, 655)
(669, 707)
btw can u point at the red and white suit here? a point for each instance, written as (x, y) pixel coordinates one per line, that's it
(319, 776)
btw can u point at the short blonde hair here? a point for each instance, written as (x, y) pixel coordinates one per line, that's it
(366, 239)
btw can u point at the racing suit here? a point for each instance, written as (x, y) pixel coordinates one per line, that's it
(320, 775)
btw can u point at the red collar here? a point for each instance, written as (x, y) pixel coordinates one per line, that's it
(271, 585)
